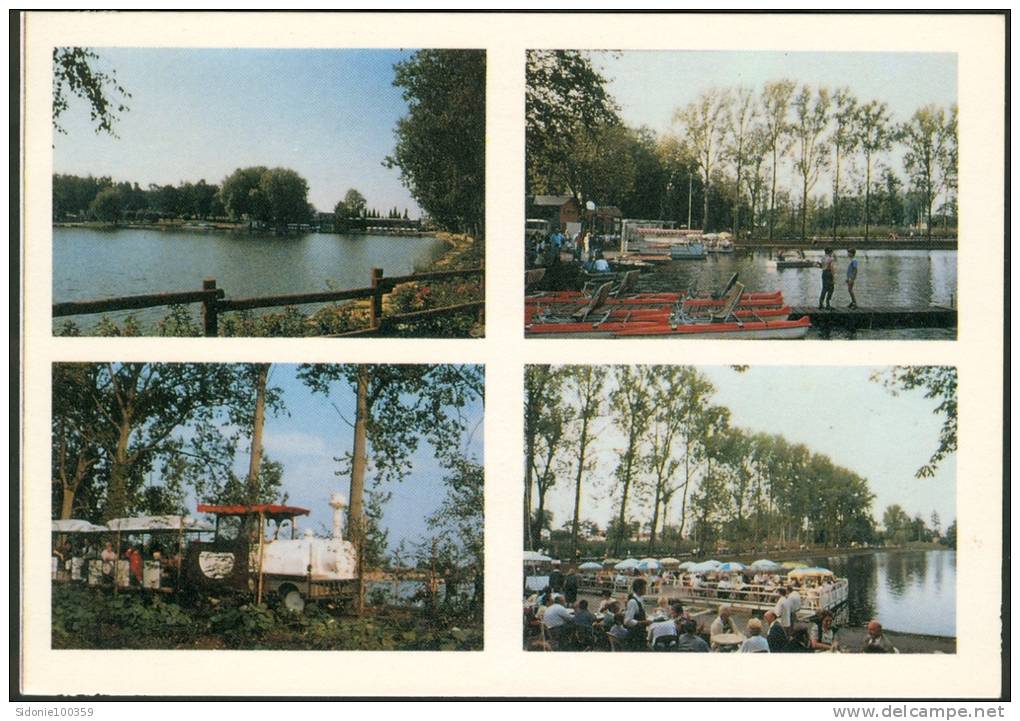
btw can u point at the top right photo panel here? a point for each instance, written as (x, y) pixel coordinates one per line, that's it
(746, 195)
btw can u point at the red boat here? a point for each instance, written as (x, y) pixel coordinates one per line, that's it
(599, 317)
(750, 330)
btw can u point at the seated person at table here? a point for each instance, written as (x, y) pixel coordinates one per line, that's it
(582, 616)
(108, 556)
(662, 610)
(619, 630)
(690, 641)
(134, 558)
(875, 641)
(723, 623)
(609, 616)
(799, 641)
(663, 627)
(557, 614)
(823, 633)
(606, 602)
(755, 642)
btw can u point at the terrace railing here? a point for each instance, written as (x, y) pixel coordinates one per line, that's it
(214, 301)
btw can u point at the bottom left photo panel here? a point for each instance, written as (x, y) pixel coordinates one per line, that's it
(267, 506)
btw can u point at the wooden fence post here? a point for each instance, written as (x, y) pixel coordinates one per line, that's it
(209, 309)
(375, 317)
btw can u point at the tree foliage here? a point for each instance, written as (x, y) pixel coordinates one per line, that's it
(116, 424)
(440, 143)
(76, 73)
(685, 477)
(937, 383)
(565, 104)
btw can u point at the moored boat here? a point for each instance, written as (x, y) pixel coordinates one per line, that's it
(745, 330)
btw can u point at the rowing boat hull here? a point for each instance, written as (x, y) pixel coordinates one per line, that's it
(774, 330)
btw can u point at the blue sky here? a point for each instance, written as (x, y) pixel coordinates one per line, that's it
(201, 113)
(650, 85)
(312, 433)
(833, 410)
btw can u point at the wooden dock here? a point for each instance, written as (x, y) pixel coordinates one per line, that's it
(878, 317)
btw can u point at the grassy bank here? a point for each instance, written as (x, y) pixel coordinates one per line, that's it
(89, 618)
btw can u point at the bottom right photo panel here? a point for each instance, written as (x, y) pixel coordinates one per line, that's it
(740, 509)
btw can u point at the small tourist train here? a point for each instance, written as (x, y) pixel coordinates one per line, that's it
(250, 548)
(753, 587)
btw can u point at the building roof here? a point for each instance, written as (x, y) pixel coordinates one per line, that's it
(271, 510)
(557, 200)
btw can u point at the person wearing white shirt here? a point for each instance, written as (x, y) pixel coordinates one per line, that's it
(635, 613)
(556, 615)
(782, 609)
(666, 627)
(793, 599)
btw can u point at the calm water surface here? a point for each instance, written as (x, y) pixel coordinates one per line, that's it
(909, 591)
(91, 264)
(914, 278)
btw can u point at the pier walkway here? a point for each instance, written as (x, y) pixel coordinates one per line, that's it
(878, 317)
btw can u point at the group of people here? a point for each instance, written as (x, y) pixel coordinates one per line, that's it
(134, 554)
(828, 266)
(584, 247)
(561, 624)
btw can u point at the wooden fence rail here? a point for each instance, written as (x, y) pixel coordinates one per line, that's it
(214, 302)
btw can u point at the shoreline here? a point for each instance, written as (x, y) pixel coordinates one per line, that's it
(238, 228)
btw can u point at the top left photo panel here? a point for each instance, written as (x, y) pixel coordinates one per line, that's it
(226, 192)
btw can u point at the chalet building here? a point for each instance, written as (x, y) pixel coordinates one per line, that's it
(557, 209)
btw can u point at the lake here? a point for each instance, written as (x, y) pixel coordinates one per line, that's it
(908, 591)
(91, 264)
(915, 278)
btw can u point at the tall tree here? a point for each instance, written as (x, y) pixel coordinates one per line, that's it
(811, 116)
(352, 206)
(565, 101)
(950, 161)
(178, 416)
(261, 379)
(875, 135)
(775, 101)
(76, 73)
(542, 387)
(76, 447)
(632, 413)
(704, 126)
(396, 407)
(586, 384)
(927, 137)
(241, 193)
(740, 149)
(286, 197)
(843, 140)
(440, 146)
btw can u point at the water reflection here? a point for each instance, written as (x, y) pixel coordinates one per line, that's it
(911, 278)
(90, 264)
(909, 591)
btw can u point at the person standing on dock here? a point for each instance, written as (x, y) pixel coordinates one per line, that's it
(828, 266)
(851, 276)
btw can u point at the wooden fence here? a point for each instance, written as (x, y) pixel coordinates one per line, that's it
(214, 302)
